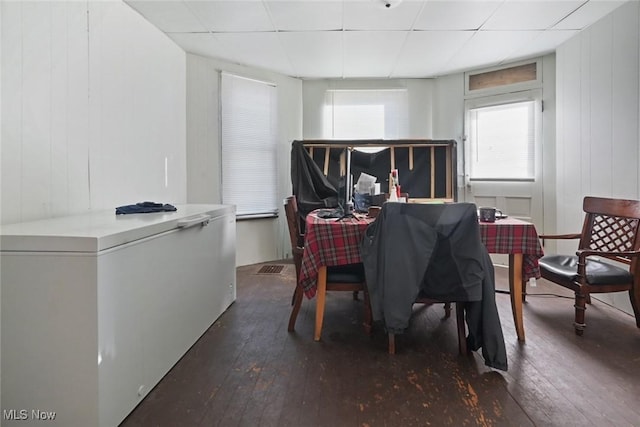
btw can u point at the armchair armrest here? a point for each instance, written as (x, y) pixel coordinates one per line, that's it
(624, 257)
(543, 237)
(583, 253)
(560, 236)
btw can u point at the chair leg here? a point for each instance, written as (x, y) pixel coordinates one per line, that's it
(462, 332)
(634, 296)
(580, 306)
(392, 343)
(368, 316)
(297, 302)
(355, 295)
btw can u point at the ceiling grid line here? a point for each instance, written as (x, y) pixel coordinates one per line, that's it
(286, 53)
(406, 37)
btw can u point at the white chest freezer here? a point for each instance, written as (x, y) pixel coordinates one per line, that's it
(97, 308)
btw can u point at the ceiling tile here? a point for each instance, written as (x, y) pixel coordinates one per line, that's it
(314, 54)
(306, 16)
(371, 15)
(455, 15)
(588, 14)
(530, 15)
(262, 50)
(231, 16)
(425, 52)
(168, 16)
(371, 53)
(544, 42)
(204, 44)
(487, 48)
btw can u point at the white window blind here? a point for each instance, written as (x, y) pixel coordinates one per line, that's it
(502, 141)
(249, 128)
(366, 114)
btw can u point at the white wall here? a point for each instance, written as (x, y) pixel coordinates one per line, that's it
(93, 106)
(257, 240)
(448, 118)
(92, 102)
(598, 111)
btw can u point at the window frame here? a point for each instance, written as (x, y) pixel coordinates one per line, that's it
(507, 88)
(534, 95)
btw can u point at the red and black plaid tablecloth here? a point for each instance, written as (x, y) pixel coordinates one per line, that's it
(513, 236)
(329, 242)
(337, 242)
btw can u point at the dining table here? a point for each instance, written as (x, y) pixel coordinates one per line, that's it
(336, 241)
(519, 239)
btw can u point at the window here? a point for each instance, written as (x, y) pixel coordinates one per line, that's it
(517, 77)
(249, 129)
(502, 141)
(503, 77)
(365, 114)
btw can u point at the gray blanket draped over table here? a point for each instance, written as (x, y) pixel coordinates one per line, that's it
(434, 249)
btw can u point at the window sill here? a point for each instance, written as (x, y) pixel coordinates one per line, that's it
(248, 217)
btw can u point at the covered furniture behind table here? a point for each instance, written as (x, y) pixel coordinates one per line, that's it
(310, 186)
(427, 168)
(610, 232)
(434, 250)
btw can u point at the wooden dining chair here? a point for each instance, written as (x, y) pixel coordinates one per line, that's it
(296, 238)
(610, 232)
(335, 278)
(460, 328)
(450, 272)
(297, 241)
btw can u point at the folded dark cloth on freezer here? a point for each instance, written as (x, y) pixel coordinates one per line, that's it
(145, 207)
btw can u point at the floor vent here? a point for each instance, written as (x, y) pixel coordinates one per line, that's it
(271, 269)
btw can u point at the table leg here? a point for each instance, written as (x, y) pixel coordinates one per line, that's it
(321, 295)
(515, 291)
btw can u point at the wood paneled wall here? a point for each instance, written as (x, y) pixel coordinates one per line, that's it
(598, 102)
(93, 110)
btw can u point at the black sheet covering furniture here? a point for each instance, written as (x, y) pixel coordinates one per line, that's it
(427, 168)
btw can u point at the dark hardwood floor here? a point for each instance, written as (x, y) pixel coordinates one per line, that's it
(247, 370)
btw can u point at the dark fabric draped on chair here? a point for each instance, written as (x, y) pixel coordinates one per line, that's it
(433, 250)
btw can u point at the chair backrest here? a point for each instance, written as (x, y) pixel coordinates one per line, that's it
(291, 212)
(441, 242)
(297, 239)
(611, 225)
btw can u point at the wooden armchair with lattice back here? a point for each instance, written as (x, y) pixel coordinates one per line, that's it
(607, 258)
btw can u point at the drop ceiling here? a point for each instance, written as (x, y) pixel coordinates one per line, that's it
(366, 39)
